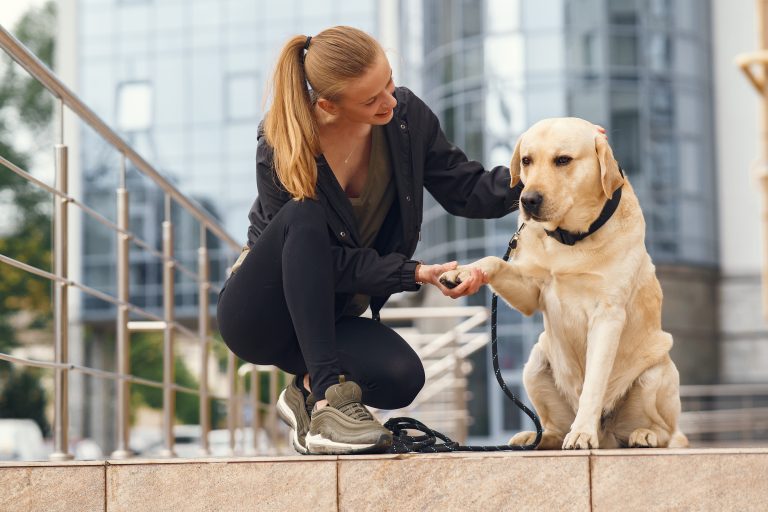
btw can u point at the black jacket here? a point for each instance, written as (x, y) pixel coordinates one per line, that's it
(421, 157)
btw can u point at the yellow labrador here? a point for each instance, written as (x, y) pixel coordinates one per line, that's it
(600, 374)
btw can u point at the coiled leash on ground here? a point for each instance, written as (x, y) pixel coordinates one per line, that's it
(402, 442)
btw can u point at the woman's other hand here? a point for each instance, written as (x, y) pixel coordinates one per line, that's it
(431, 274)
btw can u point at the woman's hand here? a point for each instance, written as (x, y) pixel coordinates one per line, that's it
(431, 274)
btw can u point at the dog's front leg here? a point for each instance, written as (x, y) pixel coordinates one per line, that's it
(603, 338)
(519, 291)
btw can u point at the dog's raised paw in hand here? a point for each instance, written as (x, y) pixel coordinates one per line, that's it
(454, 278)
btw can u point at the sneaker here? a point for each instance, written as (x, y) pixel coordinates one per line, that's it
(345, 425)
(294, 408)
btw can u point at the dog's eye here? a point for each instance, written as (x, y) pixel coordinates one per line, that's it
(563, 160)
(526, 160)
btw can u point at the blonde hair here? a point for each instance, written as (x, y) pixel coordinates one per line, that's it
(334, 57)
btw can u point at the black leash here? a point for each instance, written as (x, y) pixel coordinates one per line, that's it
(427, 441)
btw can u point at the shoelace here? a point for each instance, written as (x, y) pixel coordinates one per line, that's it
(356, 411)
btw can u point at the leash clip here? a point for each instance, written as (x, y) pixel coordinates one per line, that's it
(514, 239)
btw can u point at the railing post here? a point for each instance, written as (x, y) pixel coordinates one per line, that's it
(169, 395)
(203, 327)
(459, 390)
(232, 389)
(273, 396)
(123, 337)
(255, 420)
(61, 310)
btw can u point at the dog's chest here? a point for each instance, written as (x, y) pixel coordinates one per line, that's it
(568, 304)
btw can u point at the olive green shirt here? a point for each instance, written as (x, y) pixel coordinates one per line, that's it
(373, 204)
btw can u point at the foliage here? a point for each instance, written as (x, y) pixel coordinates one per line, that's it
(23, 102)
(24, 106)
(23, 396)
(147, 363)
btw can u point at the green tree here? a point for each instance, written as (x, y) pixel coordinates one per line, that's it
(26, 232)
(147, 363)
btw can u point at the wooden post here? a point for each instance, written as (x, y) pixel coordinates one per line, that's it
(759, 80)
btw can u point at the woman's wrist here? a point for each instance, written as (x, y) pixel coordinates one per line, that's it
(416, 274)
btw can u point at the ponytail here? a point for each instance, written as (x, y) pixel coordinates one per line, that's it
(332, 58)
(290, 125)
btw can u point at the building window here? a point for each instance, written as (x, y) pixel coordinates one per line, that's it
(134, 106)
(242, 96)
(624, 50)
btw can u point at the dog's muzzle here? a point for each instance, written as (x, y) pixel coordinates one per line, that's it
(532, 202)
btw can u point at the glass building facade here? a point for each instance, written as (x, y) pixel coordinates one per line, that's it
(640, 68)
(183, 81)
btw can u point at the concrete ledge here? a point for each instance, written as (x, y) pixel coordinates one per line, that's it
(644, 480)
(61, 486)
(716, 479)
(234, 484)
(466, 481)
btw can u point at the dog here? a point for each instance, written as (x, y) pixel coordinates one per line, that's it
(600, 375)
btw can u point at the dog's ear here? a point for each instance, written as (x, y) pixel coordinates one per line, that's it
(610, 175)
(514, 166)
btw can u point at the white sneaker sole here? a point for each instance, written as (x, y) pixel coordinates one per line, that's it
(286, 414)
(317, 444)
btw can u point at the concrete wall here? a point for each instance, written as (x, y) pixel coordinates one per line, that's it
(689, 314)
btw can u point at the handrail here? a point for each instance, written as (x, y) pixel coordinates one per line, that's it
(35, 67)
(104, 374)
(101, 219)
(62, 283)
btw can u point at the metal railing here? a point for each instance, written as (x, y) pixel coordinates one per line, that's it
(725, 414)
(62, 284)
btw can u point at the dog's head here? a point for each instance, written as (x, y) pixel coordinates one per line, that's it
(568, 170)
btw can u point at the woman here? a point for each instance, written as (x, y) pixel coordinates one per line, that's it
(342, 162)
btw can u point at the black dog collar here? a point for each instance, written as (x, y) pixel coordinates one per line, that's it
(570, 238)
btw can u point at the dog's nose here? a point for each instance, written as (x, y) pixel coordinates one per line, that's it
(532, 202)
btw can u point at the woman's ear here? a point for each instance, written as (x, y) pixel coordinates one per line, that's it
(514, 166)
(328, 106)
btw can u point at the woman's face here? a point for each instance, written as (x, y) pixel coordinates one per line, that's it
(370, 98)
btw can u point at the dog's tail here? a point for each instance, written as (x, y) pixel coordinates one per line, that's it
(678, 440)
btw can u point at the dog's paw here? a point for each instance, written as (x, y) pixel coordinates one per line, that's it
(549, 440)
(454, 278)
(522, 438)
(643, 438)
(580, 440)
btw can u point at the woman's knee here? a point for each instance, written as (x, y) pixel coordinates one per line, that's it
(308, 212)
(401, 379)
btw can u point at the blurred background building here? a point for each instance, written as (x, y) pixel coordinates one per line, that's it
(183, 81)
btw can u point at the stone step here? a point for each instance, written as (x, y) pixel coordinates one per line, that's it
(601, 480)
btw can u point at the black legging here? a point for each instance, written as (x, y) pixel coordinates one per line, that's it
(278, 309)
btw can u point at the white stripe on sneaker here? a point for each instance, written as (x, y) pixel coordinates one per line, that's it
(319, 444)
